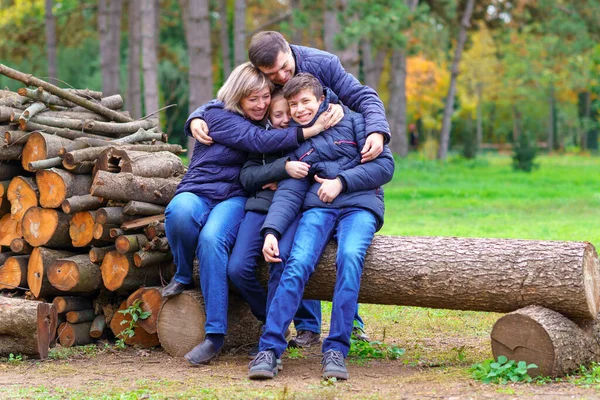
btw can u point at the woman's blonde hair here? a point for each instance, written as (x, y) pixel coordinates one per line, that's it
(243, 81)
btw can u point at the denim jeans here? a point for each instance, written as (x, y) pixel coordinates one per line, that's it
(353, 228)
(199, 227)
(241, 271)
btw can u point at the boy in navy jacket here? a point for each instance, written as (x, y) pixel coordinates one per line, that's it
(341, 198)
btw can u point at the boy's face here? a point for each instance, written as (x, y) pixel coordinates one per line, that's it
(279, 115)
(304, 106)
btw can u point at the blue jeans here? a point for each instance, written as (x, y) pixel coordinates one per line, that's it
(199, 227)
(241, 271)
(353, 228)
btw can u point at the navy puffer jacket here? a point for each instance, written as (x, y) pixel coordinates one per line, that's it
(214, 170)
(333, 153)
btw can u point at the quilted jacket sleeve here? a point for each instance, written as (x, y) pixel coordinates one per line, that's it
(255, 174)
(286, 205)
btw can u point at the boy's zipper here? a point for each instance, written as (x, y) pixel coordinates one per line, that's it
(308, 153)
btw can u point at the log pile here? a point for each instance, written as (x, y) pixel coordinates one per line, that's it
(78, 176)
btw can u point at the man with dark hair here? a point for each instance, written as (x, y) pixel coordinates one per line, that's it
(280, 61)
(340, 199)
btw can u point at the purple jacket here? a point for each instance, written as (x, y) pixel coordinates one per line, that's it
(214, 170)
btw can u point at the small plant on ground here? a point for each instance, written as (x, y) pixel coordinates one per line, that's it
(15, 358)
(587, 375)
(136, 313)
(501, 371)
(295, 353)
(375, 349)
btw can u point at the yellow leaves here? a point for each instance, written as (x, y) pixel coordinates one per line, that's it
(21, 11)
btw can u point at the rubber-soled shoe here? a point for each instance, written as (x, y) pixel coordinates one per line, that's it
(203, 353)
(305, 339)
(359, 334)
(173, 288)
(253, 352)
(333, 365)
(264, 366)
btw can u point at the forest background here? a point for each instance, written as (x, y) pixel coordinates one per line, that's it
(466, 75)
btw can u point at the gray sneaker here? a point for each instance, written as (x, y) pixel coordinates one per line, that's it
(359, 334)
(305, 339)
(333, 365)
(264, 366)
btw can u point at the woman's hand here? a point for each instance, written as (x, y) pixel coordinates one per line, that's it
(297, 169)
(200, 131)
(271, 249)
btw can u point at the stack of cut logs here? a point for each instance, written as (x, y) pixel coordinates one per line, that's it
(83, 189)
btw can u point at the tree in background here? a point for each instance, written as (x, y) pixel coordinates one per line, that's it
(50, 40)
(109, 32)
(134, 89)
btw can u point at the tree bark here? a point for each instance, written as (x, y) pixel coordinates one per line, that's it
(500, 275)
(102, 232)
(82, 203)
(148, 14)
(64, 304)
(224, 39)
(37, 276)
(141, 208)
(50, 40)
(56, 185)
(543, 337)
(46, 227)
(112, 216)
(178, 334)
(331, 28)
(13, 272)
(76, 274)
(134, 89)
(98, 326)
(239, 32)
(23, 194)
(162, 164)
(26, 327)
(78, 317)
(70, 335)
(92, 153)
(147, 259)
(449, 104)
(130, 243)
(126, 187)
(97, 253)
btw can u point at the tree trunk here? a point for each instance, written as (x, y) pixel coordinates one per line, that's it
(120, 273)
(181, 319)
(78, 317)
(449, 104)
(82, 203)
(150, 301)
(37, 276)
(102, 232)
(76, 274)
(162, 164)
(499, 275)
(46, 227)
(64, 304)
(98, 326)
(372, 65)
(543, 337)
(148, 16)
(92, 153)
(197, 36)
(331, 28)
(26, 327)
(148, 259)
(140, 338)
(479, 116)
(56, 185)
(104, 39)
(126, 187)
(70, 335)
(551, 122)
(13, 273)
(23, 194)
(239, 32)
(97, 253)
(115, 11)
(224, 38)
(134, 90)
(397, 104)
(112, 216)
(141, 208)
(51, 40)
(130, 243)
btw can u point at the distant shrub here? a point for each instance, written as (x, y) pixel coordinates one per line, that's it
(524, 152)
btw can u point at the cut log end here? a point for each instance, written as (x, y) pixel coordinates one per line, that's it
(39, 225)
(81, 229)
(22, 194)
(64, 274)
(115, 268)
(34, 150)
(13, 273)
(52, 188)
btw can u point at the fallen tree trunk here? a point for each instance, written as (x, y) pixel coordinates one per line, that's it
(500, 275)
(127, 187)
(545, 338)
(162, 164)
(181, 319)
(26, 327)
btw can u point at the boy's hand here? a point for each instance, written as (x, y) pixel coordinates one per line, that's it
(200, 131)
(271, 249)
(329, 190)
(336, 113)
(297, 169)
(271, 186)
(373, 147)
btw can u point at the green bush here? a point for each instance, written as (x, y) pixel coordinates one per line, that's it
(524, 153)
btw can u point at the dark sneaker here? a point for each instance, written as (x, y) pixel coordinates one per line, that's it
(174, 288)
(305, 339)
(333, 365)
(203, 353)
(253, 352)
(359, 334)
(264, 366)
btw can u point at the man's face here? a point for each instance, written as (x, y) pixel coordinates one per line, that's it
(283, 69)
(304, 106)
(279, 113)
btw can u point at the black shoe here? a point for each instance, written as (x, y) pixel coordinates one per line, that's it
(359, 334)
(173, 288)
(203, 353)
(253, 352)
(305, 339)
(264, 366)
(333, 365)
